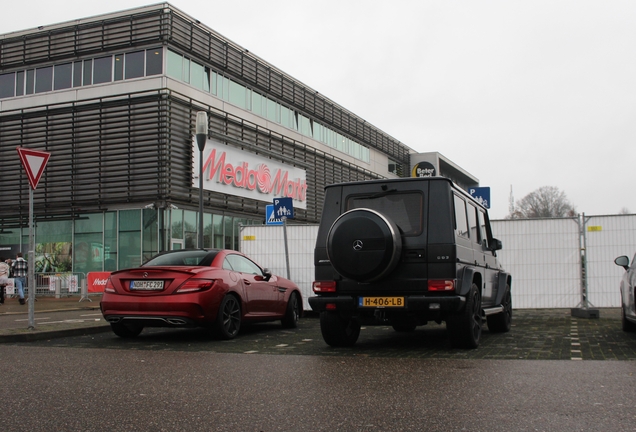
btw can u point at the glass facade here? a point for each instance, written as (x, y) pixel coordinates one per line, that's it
(149, 62)
(119, 239)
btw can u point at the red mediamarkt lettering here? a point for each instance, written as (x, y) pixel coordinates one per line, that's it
(242, 176)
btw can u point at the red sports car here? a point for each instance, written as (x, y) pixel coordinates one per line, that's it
(214, 288)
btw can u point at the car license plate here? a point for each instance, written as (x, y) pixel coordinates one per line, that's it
(381, 302)
(146, 285)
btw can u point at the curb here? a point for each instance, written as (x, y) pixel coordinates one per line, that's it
(52, 334)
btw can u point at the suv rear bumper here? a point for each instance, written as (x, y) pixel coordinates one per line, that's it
(412, 303)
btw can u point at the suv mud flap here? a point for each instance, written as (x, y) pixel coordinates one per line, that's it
(502, 280)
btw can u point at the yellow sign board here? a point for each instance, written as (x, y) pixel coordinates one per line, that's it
(249, 237)
(595, 228)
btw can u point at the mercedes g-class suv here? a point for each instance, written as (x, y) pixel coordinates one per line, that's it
(403, 252)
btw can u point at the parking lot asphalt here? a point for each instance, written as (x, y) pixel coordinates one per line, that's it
(536, 334)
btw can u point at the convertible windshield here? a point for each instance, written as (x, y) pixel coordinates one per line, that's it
(183, 258)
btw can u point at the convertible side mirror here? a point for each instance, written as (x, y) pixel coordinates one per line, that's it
(622, 261)
(267, 274)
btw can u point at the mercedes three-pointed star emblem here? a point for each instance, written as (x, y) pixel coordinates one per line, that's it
(357, 245)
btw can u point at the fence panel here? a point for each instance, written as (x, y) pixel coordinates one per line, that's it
(607, 237)
(543, 257)
(265, 244)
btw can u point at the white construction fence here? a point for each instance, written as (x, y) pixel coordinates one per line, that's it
(553, 262)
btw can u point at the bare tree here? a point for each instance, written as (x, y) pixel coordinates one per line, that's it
(624, 210)
(545, 202)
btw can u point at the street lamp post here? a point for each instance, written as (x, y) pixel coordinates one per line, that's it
(202, 136)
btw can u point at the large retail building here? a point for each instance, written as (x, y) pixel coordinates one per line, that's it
(114, 99)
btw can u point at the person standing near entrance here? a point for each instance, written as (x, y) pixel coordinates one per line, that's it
(19, 268)
(4, 277)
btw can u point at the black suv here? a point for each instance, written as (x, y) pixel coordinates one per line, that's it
(404, 252)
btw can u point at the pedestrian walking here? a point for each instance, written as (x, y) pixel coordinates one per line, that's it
(19, 268)
(4, 277)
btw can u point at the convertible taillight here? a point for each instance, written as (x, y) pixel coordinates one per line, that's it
(110, 288)
(194, 285)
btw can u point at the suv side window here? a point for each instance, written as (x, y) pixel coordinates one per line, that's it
(461, 223)
(472, 223)
(482, 228)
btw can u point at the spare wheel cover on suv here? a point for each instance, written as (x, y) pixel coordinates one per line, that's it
(364, 245)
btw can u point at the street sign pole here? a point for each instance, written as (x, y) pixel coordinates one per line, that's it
(33, 162)
(31, 270)
(286, 247)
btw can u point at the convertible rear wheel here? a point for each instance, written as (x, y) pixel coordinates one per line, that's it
(293, 312)
(126, 330)
(228, 321)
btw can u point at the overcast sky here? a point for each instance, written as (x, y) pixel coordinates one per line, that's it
(520, 94)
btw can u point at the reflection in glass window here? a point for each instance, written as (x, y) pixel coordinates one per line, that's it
(44, 79)
(304, 125)
(19, 83)
(287, 117)
(197, 75)
(30, 81)
(272, 111)
(63, 76)
(237, 94)
(174, 67)
(154, 61)
(134, 64)
(103, 70)
(461, 224)
(77, 74)
(177, 224)
(119, 67)
(88, 72)
(7, 85)
(257, 104)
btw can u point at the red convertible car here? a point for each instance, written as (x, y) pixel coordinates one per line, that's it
(214, 288)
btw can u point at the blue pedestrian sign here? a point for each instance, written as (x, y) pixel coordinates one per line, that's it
(481, 195)
(270, 218)
(283, 208)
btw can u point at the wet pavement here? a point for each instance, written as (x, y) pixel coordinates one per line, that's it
(537, 334)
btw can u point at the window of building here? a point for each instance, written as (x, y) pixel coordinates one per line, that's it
(87, 73)
(77, 74)
(110, 241)
(190, 229)
(119, 67)
(176, 226)
(63, 78)
(103, 70)
(150, 239)
(7, 85)
(19, 83)
(129, 238)
(174, 68)
(238, 95)
(154, 61)
(88, 249)
(44, 79)
(30, 81)
(134, 65)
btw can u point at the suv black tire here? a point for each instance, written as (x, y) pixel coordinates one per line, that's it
(501, 322)
(465, 327)
(364, 245)
(338, 331)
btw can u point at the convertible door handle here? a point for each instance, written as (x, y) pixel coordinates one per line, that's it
(246, 282)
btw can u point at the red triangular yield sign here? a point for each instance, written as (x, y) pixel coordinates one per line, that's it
(33, 162)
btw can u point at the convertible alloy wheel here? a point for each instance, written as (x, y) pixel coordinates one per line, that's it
(229, 318)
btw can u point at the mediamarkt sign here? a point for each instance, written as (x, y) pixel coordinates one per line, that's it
(231, 171)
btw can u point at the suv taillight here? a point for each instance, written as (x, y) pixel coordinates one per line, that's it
(441, 285)
(324, 286)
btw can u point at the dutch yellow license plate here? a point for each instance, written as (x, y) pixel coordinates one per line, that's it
(381, 302)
